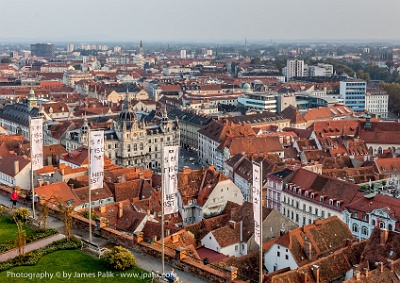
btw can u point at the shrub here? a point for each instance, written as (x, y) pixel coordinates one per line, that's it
(119, 258)
(33, 257)
(21, 214)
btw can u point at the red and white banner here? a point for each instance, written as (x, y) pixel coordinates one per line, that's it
(36, 132)
(170, 179)
(96, 147)
(256, 201)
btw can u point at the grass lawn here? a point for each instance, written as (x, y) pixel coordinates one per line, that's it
(74, 263)
(8, 231)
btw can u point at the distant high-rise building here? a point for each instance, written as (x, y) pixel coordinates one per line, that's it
(183, 54)
(117, 49)
(353, 94)
(14, 54)
(209, 52)
(42, 49)
(294, 68)
(70, 48)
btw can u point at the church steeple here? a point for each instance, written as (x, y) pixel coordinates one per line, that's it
(141, 50)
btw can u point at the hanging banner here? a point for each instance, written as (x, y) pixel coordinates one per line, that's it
(36, 126)
(256, 201)
(170, 179)
(96, 147)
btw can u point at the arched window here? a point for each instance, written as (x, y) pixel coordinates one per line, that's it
(380, 150)
(135, 147)
(141, 146)
(371, 150)
(364, 230)
(382, 225)
(390, 227)
(355, 228)
(373, 222)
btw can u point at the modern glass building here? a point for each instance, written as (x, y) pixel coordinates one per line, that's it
(353, 94)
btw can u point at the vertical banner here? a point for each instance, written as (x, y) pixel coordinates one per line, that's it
(256, 202)
(170, 179)
(96, 147)
(36, 143)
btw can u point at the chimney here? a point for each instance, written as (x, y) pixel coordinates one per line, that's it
(315, 270)
(383, 236)
(120, 210)
(141, 175)
(357, 275)
(232, 224)
(40, 182)
(366, 272)
(380, 266)
(303, 277)
(16, 167)
(167, 232)
(119, 179)
(390, 264)
(47, 183)
(308, 250)
(241, 231)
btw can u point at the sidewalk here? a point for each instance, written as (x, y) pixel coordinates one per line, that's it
(32, 246)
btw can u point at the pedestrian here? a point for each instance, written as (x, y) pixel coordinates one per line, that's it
(14, 198)
(171, 276)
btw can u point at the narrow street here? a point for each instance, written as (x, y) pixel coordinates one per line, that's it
(144, 261)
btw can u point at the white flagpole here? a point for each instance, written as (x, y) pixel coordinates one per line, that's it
(162, 210)
(90, 188)
(32, 185)
(261, 223)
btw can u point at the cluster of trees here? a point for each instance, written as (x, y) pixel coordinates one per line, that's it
(393, 89)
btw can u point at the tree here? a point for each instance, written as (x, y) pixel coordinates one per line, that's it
(67, 218)
(119, 258)
(21, 214)
(5, 60)
(20, 241)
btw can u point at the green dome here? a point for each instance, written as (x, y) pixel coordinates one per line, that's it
(246, 87)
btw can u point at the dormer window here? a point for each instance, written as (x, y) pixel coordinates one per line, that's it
(321, 199)
(330, 201)
(306, 194)
(312, 195)
(338, 203)
(299, 192)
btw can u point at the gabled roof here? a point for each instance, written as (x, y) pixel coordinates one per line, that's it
(58, 190)
(325, 236)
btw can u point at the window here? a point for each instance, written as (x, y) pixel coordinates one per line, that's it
(365, 217)
(338, 203)
(312, 195)
(355, 215)
(287, 257)
(278, 254)
(364, 230)
(355, 228)
(316, 211)
(321, 199)
(304, 207)
(310, 209)
(236, 248)
(390, 227)
(330, 201)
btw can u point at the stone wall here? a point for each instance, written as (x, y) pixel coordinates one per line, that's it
(174, 257)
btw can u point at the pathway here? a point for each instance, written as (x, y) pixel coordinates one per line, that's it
(32, 246)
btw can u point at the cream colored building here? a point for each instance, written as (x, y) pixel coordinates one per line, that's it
(131, 142)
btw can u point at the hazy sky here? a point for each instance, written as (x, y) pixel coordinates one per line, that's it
(199, 20)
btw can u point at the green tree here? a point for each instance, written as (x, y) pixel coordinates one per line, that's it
(119, 258)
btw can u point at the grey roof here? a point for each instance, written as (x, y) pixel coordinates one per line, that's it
(18, 113)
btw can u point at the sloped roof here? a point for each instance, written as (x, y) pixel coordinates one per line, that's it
(325, 236)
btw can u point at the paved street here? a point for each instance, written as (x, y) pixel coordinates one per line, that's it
(143, 261)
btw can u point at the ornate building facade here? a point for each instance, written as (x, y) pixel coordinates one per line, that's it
(132, 141)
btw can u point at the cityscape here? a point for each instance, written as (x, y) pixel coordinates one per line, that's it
(199, 143)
